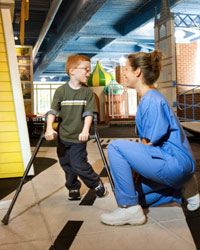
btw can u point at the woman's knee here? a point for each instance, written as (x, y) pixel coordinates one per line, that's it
(114, 149)
(115, 145)
(122, 147)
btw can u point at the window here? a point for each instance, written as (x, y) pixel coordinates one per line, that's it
(132, 102)
(43, 95)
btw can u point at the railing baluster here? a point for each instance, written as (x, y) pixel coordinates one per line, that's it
(184, 105)
(193, 104)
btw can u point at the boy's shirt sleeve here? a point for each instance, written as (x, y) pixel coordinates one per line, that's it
(155, 123)
(56, 103)
(91, 105)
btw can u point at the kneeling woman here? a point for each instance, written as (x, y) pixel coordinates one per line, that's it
(163, 160)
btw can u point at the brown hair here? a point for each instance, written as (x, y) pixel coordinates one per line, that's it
(149, 63)
(74, 60)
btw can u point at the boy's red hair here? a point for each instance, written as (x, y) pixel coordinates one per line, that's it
(74, 60)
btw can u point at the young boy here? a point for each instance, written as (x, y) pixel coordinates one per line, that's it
(75, 104)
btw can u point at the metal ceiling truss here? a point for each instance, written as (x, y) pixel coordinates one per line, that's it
(97, 33)
(186, 20)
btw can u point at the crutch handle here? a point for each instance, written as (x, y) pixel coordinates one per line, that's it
(95, 116)
(91, 137)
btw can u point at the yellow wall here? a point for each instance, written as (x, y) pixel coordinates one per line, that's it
(11, 162)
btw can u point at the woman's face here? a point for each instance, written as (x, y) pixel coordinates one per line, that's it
(130, 75)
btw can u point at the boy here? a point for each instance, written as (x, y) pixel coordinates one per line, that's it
(75, 104)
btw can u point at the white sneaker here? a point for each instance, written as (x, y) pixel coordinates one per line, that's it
(131, 215)
(193, 202)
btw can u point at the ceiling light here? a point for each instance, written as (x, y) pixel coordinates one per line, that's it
(122, 61)
(179, 34)
(43, 79)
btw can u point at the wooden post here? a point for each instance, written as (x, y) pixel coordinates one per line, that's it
(24, 17)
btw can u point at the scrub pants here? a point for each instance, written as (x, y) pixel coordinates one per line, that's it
(161, 174)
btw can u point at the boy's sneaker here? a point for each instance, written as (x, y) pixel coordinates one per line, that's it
(74, 194)
(100, 190)
(131, 215)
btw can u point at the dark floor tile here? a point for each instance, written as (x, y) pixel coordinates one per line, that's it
(66, 237)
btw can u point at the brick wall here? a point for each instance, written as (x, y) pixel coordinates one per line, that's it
(186, 65)
(185, 62)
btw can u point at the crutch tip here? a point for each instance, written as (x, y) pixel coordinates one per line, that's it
(5, 221)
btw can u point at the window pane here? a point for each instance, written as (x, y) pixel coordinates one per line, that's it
(43, 95)
(43, 101)
(132, 101)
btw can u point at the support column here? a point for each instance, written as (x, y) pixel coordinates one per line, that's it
(165, 42)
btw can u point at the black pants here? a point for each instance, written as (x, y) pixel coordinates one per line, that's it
(73, 160)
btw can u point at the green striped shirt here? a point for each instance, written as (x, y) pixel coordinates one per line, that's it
(72, 105)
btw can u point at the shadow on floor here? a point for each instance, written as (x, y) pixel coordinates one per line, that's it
(8, 185)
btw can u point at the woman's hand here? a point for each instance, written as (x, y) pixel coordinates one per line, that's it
(50, 134)
(83, 136)
(146, 142)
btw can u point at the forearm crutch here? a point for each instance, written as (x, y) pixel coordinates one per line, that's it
(5, 219)
(96, 137)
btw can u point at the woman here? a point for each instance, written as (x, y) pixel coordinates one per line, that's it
(162, 162)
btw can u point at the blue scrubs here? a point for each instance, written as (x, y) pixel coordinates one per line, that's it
(163, 166)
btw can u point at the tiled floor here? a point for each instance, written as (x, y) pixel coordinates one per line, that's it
(43, 218)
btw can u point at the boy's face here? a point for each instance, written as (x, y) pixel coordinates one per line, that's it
(82, 72)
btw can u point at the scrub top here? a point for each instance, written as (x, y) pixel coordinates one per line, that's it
(157, 122)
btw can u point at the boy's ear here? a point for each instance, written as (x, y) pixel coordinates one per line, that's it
(71, 71)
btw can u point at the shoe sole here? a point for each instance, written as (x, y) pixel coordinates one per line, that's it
(104, 195)
(129, 222)
(74, 199)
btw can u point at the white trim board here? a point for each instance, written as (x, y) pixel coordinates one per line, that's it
(16, 87)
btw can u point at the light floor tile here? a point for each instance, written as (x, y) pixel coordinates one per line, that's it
(26, 199)
(30, 245)
(166, 213)
(178, 228)
(149, 237)
(42, 210)
(48, 182)
(29, 226)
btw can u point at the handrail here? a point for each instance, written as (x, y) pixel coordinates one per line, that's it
(186, 85)
(190, 105)
(189, 91)
(197, 86)
(184, 105)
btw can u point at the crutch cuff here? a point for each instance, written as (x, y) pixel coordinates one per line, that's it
(87, 113)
